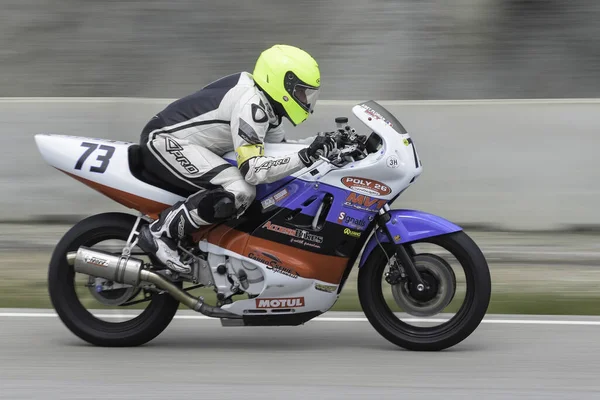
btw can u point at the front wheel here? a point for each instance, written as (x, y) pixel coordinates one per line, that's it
(437, 272)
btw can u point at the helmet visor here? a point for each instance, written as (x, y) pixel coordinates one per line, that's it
(307, 96)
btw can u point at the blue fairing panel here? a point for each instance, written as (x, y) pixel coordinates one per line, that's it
(408, 226)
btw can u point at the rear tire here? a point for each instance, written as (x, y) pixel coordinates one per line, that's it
(137, 331)
(450, 333)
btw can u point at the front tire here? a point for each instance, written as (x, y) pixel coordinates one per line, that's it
(440, 337)
(137, 331)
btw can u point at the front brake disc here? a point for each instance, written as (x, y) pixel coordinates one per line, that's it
(445, 278)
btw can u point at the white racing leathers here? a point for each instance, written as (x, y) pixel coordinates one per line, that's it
(183, 145)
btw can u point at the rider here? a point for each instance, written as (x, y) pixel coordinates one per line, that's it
(183, 144)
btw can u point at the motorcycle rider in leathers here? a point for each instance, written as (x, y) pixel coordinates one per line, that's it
(183, 145)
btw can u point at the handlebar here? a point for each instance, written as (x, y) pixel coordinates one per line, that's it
(349, 144)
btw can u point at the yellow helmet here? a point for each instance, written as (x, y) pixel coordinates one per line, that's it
(291, 78)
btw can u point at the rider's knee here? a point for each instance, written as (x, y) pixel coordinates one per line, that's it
(224, 203)
(212, 205)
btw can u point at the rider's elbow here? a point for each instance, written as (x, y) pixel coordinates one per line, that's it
(248, 175)
(252, 179)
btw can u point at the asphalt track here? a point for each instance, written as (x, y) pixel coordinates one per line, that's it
(336, 357)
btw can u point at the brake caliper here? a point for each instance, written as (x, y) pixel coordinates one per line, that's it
(396, 273)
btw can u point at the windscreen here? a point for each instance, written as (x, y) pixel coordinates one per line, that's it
(375, 110)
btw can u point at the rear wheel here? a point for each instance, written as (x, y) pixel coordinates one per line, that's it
(110, 324)
(466, 311)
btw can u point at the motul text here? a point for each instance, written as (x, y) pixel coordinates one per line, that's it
(280, 303)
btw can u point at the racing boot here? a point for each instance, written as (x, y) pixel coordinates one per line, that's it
(160, 238)
(181, 219)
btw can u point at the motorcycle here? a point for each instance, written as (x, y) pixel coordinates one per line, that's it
(285, 260)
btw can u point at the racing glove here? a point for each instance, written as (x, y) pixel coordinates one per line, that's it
(323, 145)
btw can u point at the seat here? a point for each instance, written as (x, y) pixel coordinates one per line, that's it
(138, 170)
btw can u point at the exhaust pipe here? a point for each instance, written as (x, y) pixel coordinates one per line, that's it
(131, 271)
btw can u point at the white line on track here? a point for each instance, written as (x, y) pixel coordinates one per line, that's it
(487, 320)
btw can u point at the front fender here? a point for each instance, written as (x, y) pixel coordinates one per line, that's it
(408, 226)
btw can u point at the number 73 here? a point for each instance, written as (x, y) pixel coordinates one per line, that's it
(104, 158)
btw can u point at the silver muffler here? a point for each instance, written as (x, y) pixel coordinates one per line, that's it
(131, 271)
(108, 266)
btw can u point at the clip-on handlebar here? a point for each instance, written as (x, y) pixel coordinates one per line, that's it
(349, 144)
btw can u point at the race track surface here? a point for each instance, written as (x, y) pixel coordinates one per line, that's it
(339, 357)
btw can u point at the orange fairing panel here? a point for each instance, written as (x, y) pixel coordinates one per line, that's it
(305, 263)
(149, 207)
(223, 236)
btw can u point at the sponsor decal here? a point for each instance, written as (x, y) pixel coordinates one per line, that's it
(268, 202)
(325, 288)
(392, 162)
(299, 233)
(277, 197)
(374, 114)
(350, 220)
(366, 186)
(292, 302)
(281, 195)
(303, 242)
(352, 233)
(364, 203)
(175, 150)
(397, 238)
(272, 163)
(101, 262)
(273, 263)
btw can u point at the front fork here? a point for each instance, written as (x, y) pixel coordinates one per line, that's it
(402, 264)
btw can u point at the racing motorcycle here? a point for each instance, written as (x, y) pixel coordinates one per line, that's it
(283, 262)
